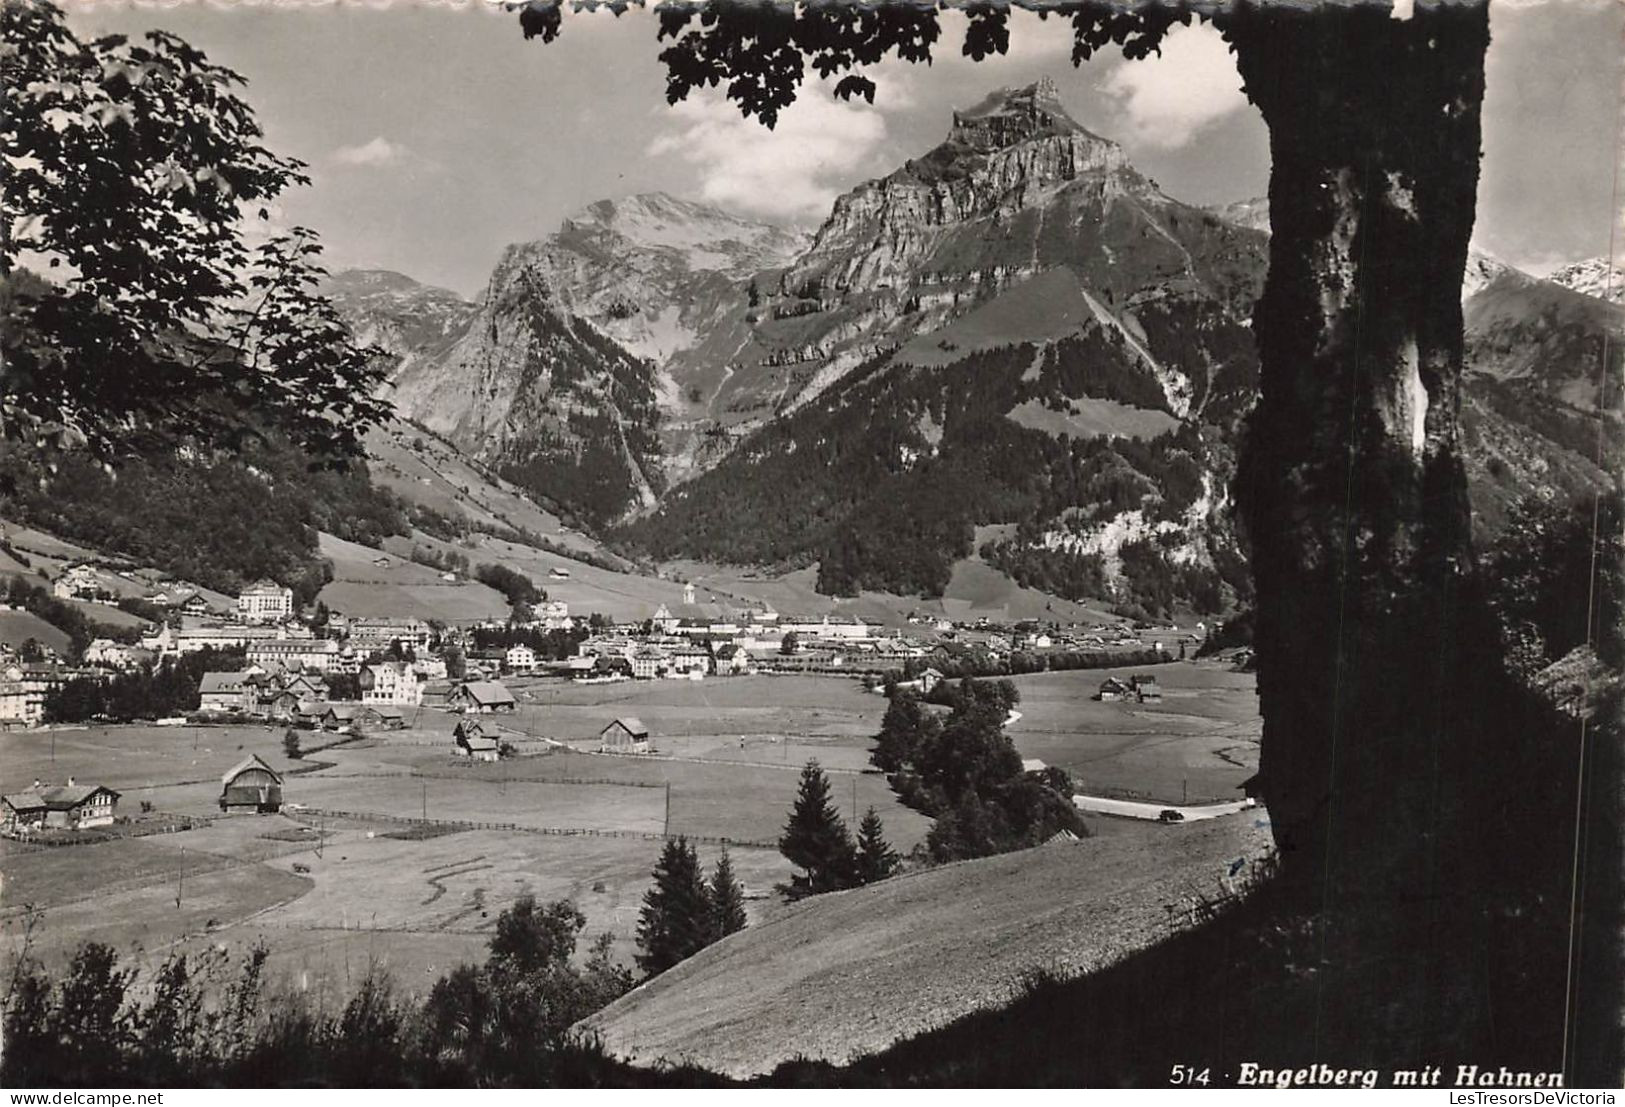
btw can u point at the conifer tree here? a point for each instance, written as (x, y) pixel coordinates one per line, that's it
(816, 840)
(876, 859)
(727, 899)
(676, 920)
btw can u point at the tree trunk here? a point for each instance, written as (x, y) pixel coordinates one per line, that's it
(1351, 484)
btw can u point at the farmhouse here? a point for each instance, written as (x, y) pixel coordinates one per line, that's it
(251, 785)
(624, 735)
(265, 601)
(1112, 689)
(341, 716)
(520, 659)
(473, 742)
(67, 806)
(1146, 688)
(483, 697)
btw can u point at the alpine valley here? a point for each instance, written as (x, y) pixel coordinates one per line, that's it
(1015, 349)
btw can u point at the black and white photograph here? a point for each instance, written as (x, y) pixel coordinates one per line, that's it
(812, 544)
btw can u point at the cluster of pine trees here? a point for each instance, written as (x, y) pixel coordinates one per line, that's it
(683, 912)
(817, 842)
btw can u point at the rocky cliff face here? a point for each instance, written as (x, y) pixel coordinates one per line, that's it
(1593, 277)
(1018, 188)
(957, 346)
(518, 382)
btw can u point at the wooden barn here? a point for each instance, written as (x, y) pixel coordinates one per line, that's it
(482, 697)
(474, 743)
(251, 785)
(624, 735)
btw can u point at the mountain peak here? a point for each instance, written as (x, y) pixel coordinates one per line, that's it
(1012, 115)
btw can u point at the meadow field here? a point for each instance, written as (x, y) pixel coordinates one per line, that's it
(394, 851)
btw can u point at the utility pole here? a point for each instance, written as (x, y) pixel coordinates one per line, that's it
(1185, 791)
(854, 800)
(425, 801)
(665, 831)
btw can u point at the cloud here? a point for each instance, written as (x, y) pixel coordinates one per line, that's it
(1166, 99)
(791, 172)
(379, 151)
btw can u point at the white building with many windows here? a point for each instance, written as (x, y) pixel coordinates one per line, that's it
(265, 601)
(391, 682)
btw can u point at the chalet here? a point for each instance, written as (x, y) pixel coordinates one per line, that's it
(474, 743)
(251, 785)
(67, 806)
(391, 682)
(265, 601)
(624, 735)
(483, 697)
(389, 718)
(1146, 688)
(520, 659)
(1113, 689)
(664, 621)
(339, 716)
(230, 691)
(284, 706)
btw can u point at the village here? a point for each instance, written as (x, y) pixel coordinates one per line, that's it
(373, 778)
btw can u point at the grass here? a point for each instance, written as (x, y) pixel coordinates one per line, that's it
(841, 975)
(409, 894)
(1200, 742)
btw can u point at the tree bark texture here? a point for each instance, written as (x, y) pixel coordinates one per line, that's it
(1351, 484)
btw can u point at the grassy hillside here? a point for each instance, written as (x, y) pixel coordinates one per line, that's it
(850, 973)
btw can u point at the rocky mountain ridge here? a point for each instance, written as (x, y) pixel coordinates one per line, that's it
(1016, 330)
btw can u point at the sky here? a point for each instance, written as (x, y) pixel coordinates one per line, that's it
(436, 135)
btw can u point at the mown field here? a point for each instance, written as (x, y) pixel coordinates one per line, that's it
(374, 887)
(1200, 742)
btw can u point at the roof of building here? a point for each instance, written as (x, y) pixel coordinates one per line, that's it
(487, 691)
(479, 742)
(634, 726)
(58, 797)
(222, 682)
(252, 761)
